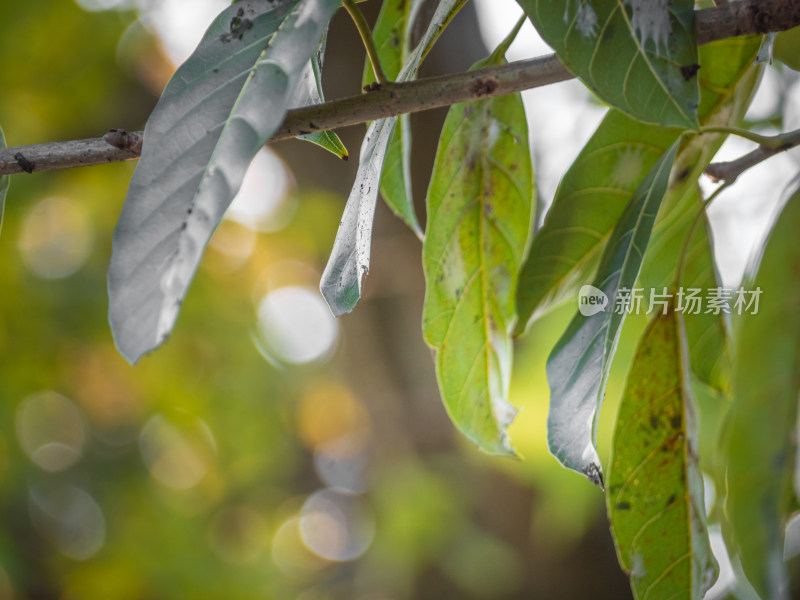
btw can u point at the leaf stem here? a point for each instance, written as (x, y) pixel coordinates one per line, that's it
(366, 37)
(729, 171)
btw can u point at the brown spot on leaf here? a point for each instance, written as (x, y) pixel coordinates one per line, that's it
(689, 71)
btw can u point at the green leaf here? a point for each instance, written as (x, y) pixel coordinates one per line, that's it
(327, 140)
(787, 48)
(309, 91)
(760, 434)
(5, 181)
(639, 56)
(707, 333)
(479, 212)
(728, 79)
(588, 203)
(594, 192)
(218, 110)
(349, 259)
(393, 34)
(655, 490)
(578, 366)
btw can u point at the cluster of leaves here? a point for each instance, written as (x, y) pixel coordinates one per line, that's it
(627, 213)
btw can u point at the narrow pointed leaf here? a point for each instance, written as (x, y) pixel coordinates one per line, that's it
(215, 114)
(309, 92)
(640, 56)
(327, 140)
(5, 181)
(655, 489)
(349, 259)
(393, 39)
(594, 192)
(479, 211)
(760, 434)
(578, 366)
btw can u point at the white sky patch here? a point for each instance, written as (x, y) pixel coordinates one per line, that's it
(180, 24)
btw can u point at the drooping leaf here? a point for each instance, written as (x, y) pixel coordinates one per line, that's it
(760, 434)
(217, 111)
(4, 181)
(309, 92)
(655, 490)
(640, 56)
(349, 260)
(393, 39)
(479, 211)
(594, 192)
(578, 366)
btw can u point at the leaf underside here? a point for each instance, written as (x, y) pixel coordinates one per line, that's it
(655, 489)
(309, 92)
(349, 260)
(578, 366)
(393, 39)
(639, 56)
(217, 111)
(759, 440)
(479, 210)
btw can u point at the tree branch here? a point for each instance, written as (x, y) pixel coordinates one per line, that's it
(729, 171)
(731, 19)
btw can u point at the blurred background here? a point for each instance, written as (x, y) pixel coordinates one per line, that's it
(267, 450)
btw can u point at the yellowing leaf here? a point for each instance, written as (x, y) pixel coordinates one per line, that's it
(479, 211)
(655, 490)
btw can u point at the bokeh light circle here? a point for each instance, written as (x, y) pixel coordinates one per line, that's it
(336, 525)
(177, 455)
(70, 519)
(295, 326)
(51, 430)
(56, 238)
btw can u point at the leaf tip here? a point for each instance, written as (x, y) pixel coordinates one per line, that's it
(594, 473)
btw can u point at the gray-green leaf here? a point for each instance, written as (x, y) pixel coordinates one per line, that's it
(578, 366)
(393, 39)
(760, 435)
(349, 259)
(218, 110)
(479, 212)
(640, 56)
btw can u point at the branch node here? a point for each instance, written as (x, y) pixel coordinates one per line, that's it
(24, 164)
